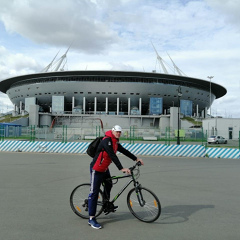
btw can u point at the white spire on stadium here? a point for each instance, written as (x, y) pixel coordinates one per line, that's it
(58, 65)
(176, 70)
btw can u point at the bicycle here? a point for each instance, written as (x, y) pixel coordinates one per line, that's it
(142, 202)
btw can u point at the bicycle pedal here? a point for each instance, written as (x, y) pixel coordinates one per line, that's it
(112, 211)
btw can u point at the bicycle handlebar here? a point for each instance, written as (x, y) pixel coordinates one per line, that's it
(133, 167)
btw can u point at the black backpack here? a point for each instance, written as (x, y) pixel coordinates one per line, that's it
(92, 148)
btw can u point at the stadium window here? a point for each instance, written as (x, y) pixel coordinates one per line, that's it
(131, 93)
(81, 92)
(97, 92)
(115, 93)
(103, 93)
(123, 93)
(109, 93)
(89, 92)
(75, 92)
(137, 93)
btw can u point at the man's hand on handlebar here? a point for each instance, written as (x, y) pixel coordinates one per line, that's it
(140, 160)
(126, 170)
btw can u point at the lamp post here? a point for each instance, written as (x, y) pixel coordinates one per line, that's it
(179, 95)
(210, 78)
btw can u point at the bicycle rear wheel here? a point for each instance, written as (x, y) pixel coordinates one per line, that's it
(144, 205)
(79, 201)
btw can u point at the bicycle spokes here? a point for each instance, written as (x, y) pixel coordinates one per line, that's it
(144, 204)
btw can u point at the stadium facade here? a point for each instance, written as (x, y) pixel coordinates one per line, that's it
(118, 93)
(144, 99)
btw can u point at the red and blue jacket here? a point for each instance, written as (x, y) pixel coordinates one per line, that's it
(106, 153)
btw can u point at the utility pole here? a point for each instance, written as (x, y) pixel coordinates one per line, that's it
(210, 78)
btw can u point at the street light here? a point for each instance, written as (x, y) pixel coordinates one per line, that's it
(179, 95)
(210, 78)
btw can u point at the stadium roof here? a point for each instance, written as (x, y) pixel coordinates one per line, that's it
(120, 76)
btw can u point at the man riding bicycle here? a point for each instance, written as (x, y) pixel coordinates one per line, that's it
(105, 154)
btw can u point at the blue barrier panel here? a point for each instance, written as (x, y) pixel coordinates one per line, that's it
(137, 149)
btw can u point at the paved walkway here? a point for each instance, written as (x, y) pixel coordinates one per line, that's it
(199, 197)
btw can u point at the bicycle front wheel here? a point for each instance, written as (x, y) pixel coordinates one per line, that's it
(144, 205)
(79, 201)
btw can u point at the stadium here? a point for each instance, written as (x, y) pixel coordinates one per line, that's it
(133, 98)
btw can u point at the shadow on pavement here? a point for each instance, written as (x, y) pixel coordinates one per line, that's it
(180, 213)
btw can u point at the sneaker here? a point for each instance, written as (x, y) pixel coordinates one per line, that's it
(94, 224)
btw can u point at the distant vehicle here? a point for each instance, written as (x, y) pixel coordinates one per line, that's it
(217, 140)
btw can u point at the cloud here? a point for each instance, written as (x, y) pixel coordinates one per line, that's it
(229, 10)
(16, 64)
(59, 23)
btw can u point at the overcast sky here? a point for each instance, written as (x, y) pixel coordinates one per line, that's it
(201, 36)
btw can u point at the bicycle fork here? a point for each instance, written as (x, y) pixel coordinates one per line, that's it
(139, 194)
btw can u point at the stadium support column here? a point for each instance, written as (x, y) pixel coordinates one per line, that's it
(73, 103)
(106, 105)
(129, 106)
(95, 105)
(17, 109)
(117, 106)
(84, 105)
(140, 106)
(14, 110)
(20, 107)
(197, 111)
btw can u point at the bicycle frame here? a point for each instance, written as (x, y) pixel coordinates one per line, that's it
(136, 185)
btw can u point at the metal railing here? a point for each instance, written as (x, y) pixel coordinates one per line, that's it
(132, 135)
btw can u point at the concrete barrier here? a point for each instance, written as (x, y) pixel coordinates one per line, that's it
(137, 149)
(89, 137)
(150, 138)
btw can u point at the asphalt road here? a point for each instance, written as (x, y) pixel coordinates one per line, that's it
(200, 199)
